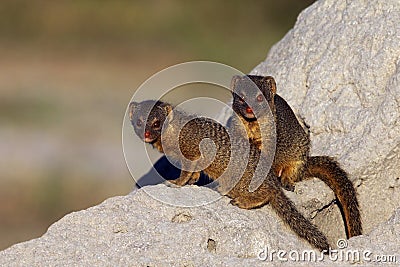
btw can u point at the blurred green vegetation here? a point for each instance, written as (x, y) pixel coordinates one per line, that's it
(68, 70)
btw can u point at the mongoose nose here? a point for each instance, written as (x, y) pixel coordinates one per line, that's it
(146, 134)
(249, 110)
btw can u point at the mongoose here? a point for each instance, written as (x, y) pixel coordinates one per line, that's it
(292, 162)
(155, 122)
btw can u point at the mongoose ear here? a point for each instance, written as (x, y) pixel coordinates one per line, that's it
(270, 84)
(132, 108)
(234, 81)
(167, 107)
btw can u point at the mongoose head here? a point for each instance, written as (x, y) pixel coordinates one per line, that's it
(147, 118)
(244, 94)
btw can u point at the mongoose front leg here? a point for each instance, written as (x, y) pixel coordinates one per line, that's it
(187, 176)
(289, 173)
(194, 178)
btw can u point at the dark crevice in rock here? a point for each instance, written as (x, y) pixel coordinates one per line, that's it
(318, 211)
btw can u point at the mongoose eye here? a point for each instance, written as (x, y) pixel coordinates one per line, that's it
(241, 98)
(156, 124)
(139, 123)
(260, 98)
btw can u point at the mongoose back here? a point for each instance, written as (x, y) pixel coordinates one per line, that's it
(149, 116)
(292, 162)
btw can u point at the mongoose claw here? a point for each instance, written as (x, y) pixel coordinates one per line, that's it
(288, 186)
(194, 178)
(172, 183)
(236, 202)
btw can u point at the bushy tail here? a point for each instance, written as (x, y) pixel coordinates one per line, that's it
(285, 208)
(329, 171)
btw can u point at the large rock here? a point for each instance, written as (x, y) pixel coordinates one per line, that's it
(339, 68)
(137, 230)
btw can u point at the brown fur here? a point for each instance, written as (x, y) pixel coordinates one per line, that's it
(329, 171)
(292, 162)
(190, 137)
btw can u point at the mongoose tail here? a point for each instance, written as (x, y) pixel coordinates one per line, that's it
(329, 171)
(285, 208)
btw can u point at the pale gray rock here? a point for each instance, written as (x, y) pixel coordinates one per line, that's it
(138, 230)
(383, 242)
(339, 68)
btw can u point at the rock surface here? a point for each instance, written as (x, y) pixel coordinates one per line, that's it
(137, 230)
(339, 68)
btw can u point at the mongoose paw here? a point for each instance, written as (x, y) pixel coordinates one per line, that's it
(194, 178)
(244, 203)
(172, 183)
(287, 186)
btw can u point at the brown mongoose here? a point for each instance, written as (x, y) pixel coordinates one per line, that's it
(155, 122)
(292, 162)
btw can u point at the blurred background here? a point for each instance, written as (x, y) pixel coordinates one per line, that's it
(67, 72)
